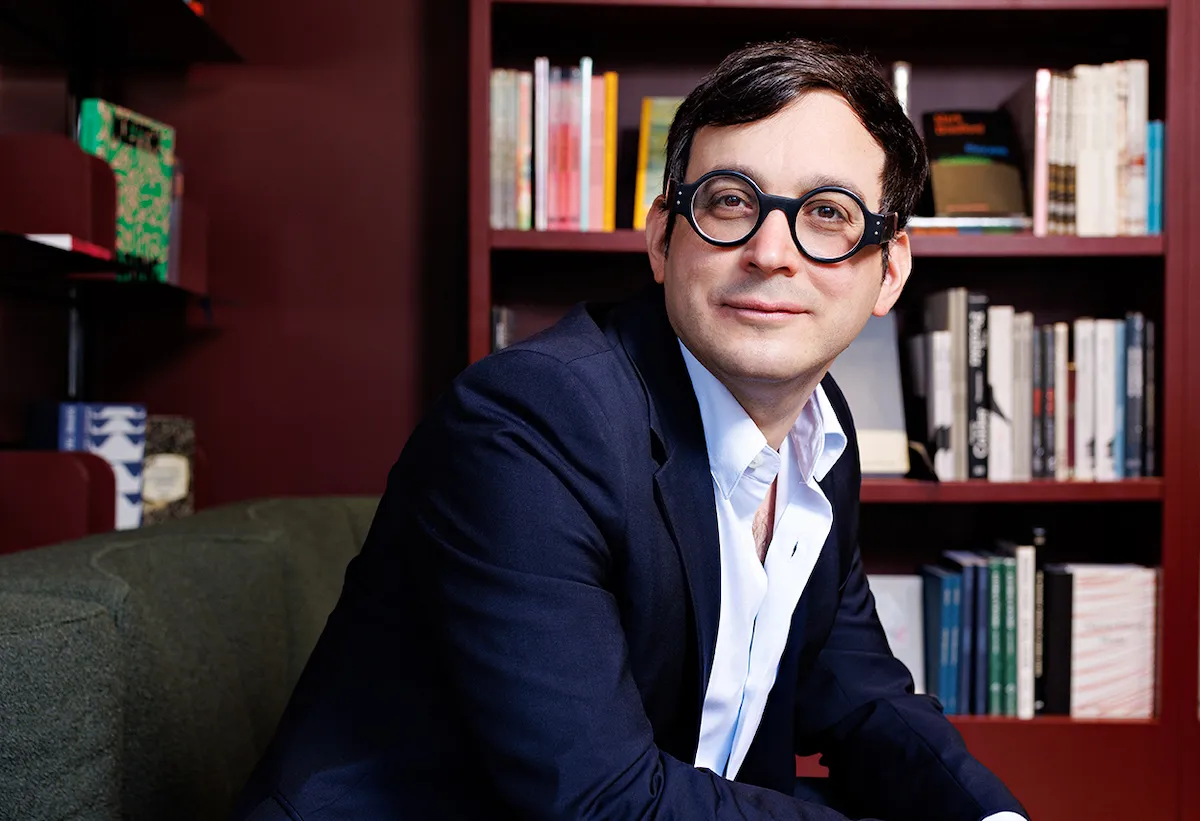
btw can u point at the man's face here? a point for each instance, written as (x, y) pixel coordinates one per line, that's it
(762, 312)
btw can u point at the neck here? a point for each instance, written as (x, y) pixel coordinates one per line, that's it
(773, 409)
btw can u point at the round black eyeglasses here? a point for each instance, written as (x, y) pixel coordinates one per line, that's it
(829, 224)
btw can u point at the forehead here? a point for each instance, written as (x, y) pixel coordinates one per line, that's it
(816, 136)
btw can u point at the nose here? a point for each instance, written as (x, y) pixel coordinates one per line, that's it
(772, 250)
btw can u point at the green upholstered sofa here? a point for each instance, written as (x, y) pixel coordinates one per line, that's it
(142, 673)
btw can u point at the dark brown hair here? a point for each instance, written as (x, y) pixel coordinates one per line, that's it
(760, 79)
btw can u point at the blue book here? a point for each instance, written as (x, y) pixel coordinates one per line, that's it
(973, 644)
(942, 590)
(1154, 176)
(1120, 364)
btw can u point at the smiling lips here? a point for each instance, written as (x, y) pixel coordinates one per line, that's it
(755, 309)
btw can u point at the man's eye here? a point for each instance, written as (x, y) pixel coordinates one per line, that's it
(828, 212)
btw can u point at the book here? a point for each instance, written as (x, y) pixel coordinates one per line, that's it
(141, 153)
(657, 114)
(167, 484)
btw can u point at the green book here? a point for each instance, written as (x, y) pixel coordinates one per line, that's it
(141, 153)
(996, 653)
(1010, 636)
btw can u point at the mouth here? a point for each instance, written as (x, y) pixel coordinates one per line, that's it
(764, 311)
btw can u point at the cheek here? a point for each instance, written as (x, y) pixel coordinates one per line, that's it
(846, 285)
(690, 275)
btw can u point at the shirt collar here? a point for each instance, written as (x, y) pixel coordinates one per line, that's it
(734, 440)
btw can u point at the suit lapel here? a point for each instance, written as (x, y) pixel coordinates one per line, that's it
(683, 481)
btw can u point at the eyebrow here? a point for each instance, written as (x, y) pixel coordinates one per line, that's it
(809, 183)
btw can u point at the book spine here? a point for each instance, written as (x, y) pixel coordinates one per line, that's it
(953, 619)
(1010, 636)
(1056, 655)
(584, 150)
(1026, 604)
(1062, 402)
(1150, 461)
(1000, 386)
(1049, 403)
(1039, 642)
(983, 608)
(1135, 425)
(1085, 399)
(1105, 391)
(524, 170)
(1037, 427)
(978, 407)
(1118, 398)
(966, 638)
(996, 636)
(541, 143)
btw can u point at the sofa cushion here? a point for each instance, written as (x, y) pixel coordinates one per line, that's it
(60, 730)
(216, 615)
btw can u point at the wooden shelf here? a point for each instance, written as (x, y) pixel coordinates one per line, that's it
(40, 266)
(1052, 721)
(127, 32)
(870, 5)
(911, 491)
(24, 256)
(1027, 245)
(627, 241)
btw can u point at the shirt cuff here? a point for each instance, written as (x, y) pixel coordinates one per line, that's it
(1006, 816)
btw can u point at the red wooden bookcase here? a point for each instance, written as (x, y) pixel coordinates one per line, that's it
(1060, 768)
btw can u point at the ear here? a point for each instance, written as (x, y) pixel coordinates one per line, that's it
(898, 268)
(656, 235)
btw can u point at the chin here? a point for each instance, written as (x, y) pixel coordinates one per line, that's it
(758, 366)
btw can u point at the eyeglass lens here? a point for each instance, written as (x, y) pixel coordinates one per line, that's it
(828, 225)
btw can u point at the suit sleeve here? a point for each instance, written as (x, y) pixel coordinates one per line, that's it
(890, 752)
(517, 491)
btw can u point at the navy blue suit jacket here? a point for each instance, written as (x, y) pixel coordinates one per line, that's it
(529, 627)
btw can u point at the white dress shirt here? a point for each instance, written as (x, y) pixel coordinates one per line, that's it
(758, 598)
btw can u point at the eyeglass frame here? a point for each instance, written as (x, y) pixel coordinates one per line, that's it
(878, 229)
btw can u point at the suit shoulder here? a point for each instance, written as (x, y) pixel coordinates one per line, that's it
(579, 334)
(577, 355)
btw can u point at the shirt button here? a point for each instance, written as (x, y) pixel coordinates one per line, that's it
(756, 462)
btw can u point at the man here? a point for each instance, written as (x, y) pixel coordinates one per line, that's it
(615, 573)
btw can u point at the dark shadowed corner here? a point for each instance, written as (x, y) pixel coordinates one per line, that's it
(442, 137)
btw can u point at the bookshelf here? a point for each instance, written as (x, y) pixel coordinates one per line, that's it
(1061, 768)
(78, 320)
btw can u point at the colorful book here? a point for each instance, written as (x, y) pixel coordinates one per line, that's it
(657, 114)
(141, 153)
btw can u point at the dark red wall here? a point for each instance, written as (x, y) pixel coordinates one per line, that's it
(332, 168)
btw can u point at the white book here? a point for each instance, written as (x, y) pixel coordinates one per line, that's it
(1088, 194)
(946, 310)
(1111, 125)
(1113, 618)
(585, 142)
(1106, 407)
(541, 142)
(1137, 107)
(940, 402)
(1000, 379)
(1085, 399)
(1062, 404)
(1026, 576)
